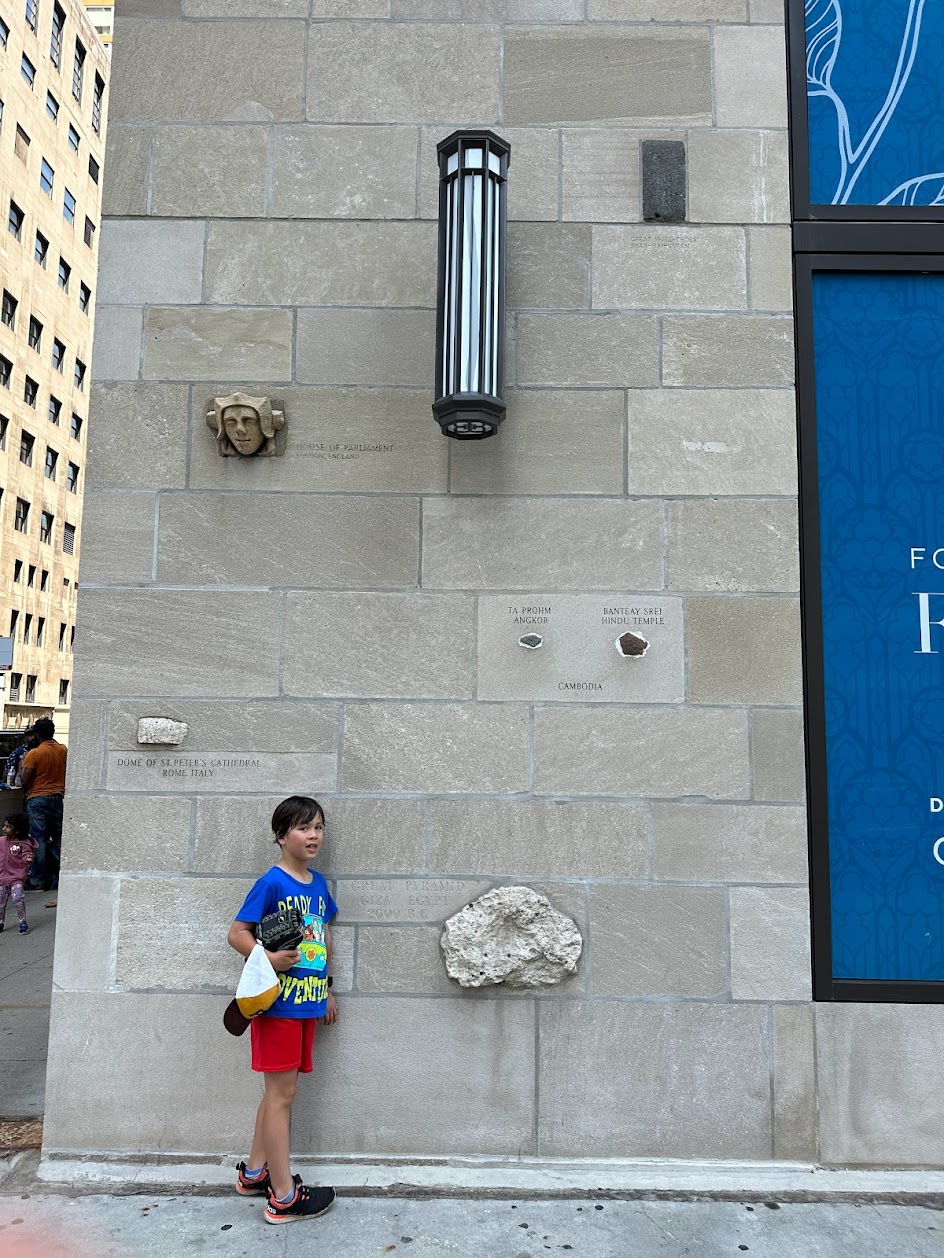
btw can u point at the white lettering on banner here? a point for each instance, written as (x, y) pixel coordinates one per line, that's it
(925, 621)
(937, 805)
(938, 844)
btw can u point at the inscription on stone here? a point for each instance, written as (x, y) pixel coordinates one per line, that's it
(340, 451)
(404, 899)
(231, 772)
(577, 661)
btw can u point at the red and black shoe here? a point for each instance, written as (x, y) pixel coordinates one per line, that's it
(307, 1203)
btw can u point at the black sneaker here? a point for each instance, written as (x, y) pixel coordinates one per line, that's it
(307, 1203)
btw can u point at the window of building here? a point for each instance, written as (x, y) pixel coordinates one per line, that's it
(75, 427)
(32, 14)
(63, 691)
(1, 117)
(55, 42)
(72, 638)
(21, 143)
(15, 221)
(79, 374)
(4, 33)
(52, 107)
(15, 680)
(26, 448)
(89, 231)
(73, 139)
(44, 579)
(98, 95)
(72, 478)
(55, 410)
(31, 575)
(8, 309)
(27, 71)
(41, 252)
(6, 370)
(46, 521)
(21, 516)
(68, 206)
(52, 458)
(58, 354)
(27, 626)
(68, 539)
(30, 392)
(17, 570)
(14, 621)
(85, 298)
(47, 177)
(78, 71)
(64, 272)
(35, 334)
(62, 636)
(4, 425)
(94, 170)
(40, 630)
(30, 687)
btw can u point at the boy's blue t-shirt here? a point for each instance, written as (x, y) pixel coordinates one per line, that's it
(304, 991)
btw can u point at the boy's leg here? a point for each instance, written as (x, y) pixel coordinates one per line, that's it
(257, 1154)
(276, 1113)
(19, 899)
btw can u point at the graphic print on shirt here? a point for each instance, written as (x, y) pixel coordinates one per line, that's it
(305, 980)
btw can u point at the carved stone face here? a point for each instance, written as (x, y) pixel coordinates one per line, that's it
(243, 428)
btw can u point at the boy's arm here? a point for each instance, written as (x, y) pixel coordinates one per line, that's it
(242, 937)
(331, 1013)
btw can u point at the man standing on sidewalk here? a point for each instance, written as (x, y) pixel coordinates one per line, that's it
(43, 773)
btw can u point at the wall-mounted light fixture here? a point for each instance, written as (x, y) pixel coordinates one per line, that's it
(470, 322)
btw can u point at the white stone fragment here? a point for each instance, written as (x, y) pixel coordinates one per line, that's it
(161, 729)
(510, 935)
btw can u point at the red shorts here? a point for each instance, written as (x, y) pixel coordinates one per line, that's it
(282, 1044)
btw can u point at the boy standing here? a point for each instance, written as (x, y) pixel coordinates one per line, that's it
(282, 1037)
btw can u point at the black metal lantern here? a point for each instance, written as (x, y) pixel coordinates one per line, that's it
(470, 322)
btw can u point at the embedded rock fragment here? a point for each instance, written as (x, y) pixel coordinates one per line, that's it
(162, 730)
(632, 645)
(510, 935)
(531, 640)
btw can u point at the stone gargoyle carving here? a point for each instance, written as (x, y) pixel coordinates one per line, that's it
(244, 425)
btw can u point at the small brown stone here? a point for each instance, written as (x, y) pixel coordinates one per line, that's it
(632, 645)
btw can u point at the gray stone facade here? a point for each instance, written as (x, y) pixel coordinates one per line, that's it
(271, 193)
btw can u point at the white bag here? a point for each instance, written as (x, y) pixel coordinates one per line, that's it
(258, 986)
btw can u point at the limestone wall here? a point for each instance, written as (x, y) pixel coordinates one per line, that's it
(341, 625)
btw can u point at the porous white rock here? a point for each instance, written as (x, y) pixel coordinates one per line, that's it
(510, 935)
(161, 729)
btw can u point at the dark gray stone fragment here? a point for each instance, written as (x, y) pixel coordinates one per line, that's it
(663, 181)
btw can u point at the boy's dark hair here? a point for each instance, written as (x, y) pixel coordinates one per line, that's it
(19, 822)
(294, 811)
(44, 729)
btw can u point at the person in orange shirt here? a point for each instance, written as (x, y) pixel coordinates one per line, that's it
(43, 773)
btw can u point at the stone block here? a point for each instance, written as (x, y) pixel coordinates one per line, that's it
(359, 440)
(471, 1060)
(218, 71)
(162, 731)
(201, 344)
(709, 441)
(125, 832)
(346, 264)
(698, 1085)
(246, 8)
(523, 839)
(535, 451)
(549, 266)
(771, 268)
(664, 181)
(402, 959)
(380, 646)
(125, 636)
(778, 754)
(750, 64)
(232, 725)
(157, 415)
(117, 537)
(728, 843)
(418, 73)
(366, 347)
(146, 8)
(136, 1035)
(86, 761)
(350, 8)
(656, 75)
(670, 11)
(579, 662)
(744, 650)
(126, 177)
(117, 351)
(514, 936)
(404, 900)
(167, 771)
(544, 10)
(877, 1073)
(164, 925)
(342, 958)
(739, 177)
(363, 836)
(675, 752)
(767, 11)
(770, 943)
(442, 749)
(147, 263)
(335, 542)
(734, 545)
(209, 172)
(654, 268)
(587, 349)
(727, 351)
(533, 192)
(658, 941)
(344, 172)
(507, 544)
(83, 956)
(454, 10)
(795, 1136)
(601, 182)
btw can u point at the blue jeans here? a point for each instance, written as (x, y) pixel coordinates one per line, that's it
(45, 823)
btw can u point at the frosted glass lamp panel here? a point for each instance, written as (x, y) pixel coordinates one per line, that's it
(471, 285)
(473, 157)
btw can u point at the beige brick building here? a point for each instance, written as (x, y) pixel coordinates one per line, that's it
(52, 133)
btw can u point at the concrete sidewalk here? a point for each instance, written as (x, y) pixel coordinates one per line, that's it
(25, 990)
